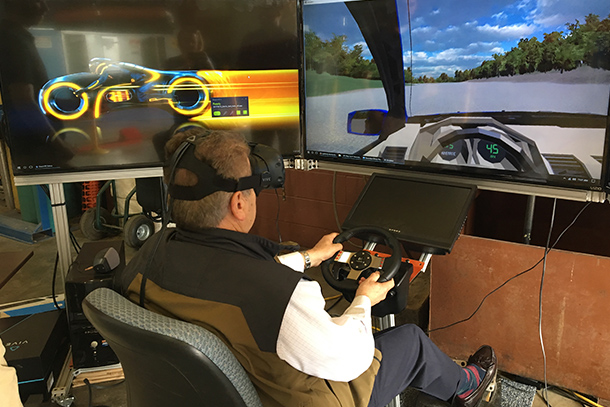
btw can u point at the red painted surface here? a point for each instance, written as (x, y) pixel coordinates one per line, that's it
(575, 304)
(306, 212)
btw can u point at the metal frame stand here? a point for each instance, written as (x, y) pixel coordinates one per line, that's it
(58, 200)
(62, 229)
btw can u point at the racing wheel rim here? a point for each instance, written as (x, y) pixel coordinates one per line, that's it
(390, 267)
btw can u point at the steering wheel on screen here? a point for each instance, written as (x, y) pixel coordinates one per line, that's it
(343, 270)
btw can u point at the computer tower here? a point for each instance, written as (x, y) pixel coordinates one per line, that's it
(89, 349)
(36, 346)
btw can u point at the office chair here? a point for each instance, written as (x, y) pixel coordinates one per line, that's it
(168, 362)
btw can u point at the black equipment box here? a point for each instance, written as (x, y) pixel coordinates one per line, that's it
(89, 349)
(36, 346)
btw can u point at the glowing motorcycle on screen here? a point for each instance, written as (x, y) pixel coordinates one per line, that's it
(268, 98)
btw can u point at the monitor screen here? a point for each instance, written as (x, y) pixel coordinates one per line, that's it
(96, 85)
(424, 215)
(503, 90)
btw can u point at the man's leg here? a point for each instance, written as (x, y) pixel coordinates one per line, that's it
(410, 358)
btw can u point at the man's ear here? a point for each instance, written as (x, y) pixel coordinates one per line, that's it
(237, 205)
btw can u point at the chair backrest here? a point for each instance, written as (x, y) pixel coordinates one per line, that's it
(168, 362)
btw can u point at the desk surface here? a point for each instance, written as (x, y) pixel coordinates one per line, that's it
(11, 262)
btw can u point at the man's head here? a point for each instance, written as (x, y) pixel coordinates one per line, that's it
(226, 152)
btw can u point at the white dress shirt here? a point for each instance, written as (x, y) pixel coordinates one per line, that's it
(310, 340)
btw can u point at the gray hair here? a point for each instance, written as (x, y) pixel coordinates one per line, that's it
(227, 152)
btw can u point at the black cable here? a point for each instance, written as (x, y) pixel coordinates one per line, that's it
(168, 203)
(75, 245)
(53, 282)
(90, 391)
(569, 395)
(484, 298)
(90, 403)
(277, 216)
(516, 275)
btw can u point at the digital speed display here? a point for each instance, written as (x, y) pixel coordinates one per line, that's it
(490, 151)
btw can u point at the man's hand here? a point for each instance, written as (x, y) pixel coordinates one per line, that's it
(374, 290)
(324, 249)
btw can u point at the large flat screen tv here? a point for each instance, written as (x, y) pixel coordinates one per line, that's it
(503, 90)
(101, 85)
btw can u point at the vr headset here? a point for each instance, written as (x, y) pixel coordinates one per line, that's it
(267, 172)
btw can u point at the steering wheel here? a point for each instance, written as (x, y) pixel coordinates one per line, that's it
(344, 269)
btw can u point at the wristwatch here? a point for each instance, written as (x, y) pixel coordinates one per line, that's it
(307, 259)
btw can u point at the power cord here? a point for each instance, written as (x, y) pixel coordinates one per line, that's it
(544, 398)
(277, 216)
(546, 252)
(75, 245)
(516, 275)
(53, 282)
(168, 204)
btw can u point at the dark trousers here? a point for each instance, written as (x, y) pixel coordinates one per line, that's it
(410, 359)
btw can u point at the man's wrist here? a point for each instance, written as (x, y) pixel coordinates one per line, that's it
(306, 259)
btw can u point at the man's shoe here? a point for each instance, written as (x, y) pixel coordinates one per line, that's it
(486, 359)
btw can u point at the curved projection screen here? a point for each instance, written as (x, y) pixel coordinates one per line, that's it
(96, 85)
(503, 90)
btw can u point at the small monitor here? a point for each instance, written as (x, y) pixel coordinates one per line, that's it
(425, 215)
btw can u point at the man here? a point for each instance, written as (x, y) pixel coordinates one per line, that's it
(211, 272)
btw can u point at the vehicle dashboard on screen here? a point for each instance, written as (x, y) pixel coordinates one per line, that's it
(490, 91)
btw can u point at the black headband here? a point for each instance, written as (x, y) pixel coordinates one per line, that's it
(208, 181)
